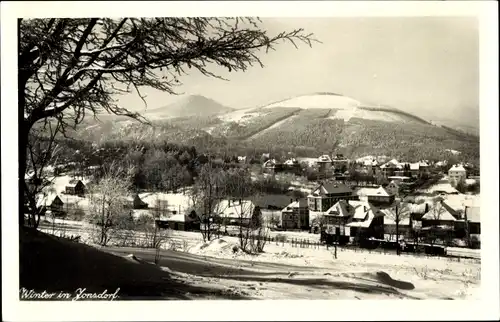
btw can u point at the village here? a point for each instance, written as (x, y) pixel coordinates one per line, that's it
(370, 202)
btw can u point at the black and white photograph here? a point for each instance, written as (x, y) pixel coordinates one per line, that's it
(180, 155)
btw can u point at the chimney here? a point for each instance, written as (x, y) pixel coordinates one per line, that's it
(426, 207)
(229, 202)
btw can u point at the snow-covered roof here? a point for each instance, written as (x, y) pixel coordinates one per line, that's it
(230, 208)
(331, 188)
(380, 191)
(390, 215)
(291, 161)
(457, 167)
(441, 213)
(423, 163)
(414, 166)
(295, 204)
(364, 211)
(270, 163)
(324, 158)
(341, 208)
(73, 182)
(48, 199)
(363, 192)
(393, 183)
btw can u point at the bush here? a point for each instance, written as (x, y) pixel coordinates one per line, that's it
(280, 238)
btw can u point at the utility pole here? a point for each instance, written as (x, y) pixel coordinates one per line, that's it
(467, 233)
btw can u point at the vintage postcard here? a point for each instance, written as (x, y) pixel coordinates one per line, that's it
(246, 155)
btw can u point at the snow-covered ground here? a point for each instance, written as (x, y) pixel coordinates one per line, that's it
(316, 273)
(286, 272)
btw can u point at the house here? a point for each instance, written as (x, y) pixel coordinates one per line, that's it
(242, 159)
(340, 163)
(235, 211)
(51, 203)
(381, 197)
(350, 219)
(135, 202)
(440, 215)
(336, 218)
(367, 221)
(324, 163)
(272, 201)
(368, 162)
(272, 165)
(292, 165)
(325, 196)
(75, 187)
(392, 188)
(182, 222)
(295, 215)
(404, 225)
(456, 174)
(470, 221)
(389, 168)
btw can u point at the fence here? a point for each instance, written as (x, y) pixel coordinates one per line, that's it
(138, 239)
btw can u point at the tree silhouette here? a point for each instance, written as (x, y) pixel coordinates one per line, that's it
(69, 69)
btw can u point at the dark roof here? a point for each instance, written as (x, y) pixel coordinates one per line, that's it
(336, 188)
(138, 200)
(273, 200)
(75, 181)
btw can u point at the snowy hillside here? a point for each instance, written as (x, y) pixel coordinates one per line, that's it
(329, 101)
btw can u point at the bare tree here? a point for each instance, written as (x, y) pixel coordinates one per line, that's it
(435, 214)
(206, 195)
(400, 212)
(107, 208)
(42, 152)
(239, 187)
(148, 225)
(70, 68)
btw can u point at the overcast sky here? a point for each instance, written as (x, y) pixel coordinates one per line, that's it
(414, 64)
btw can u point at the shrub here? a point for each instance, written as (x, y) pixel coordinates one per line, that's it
(281, 238)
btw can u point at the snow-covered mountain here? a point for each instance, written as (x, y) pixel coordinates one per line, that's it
(191, 105)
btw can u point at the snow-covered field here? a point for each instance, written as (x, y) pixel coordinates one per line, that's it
(286, 272)
(315, 274)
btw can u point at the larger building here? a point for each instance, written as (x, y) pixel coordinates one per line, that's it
(325, 196)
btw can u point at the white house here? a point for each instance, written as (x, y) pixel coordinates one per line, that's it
(456, 174)
(235, 211)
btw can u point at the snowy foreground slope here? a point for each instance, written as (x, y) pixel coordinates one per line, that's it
(300, 273)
